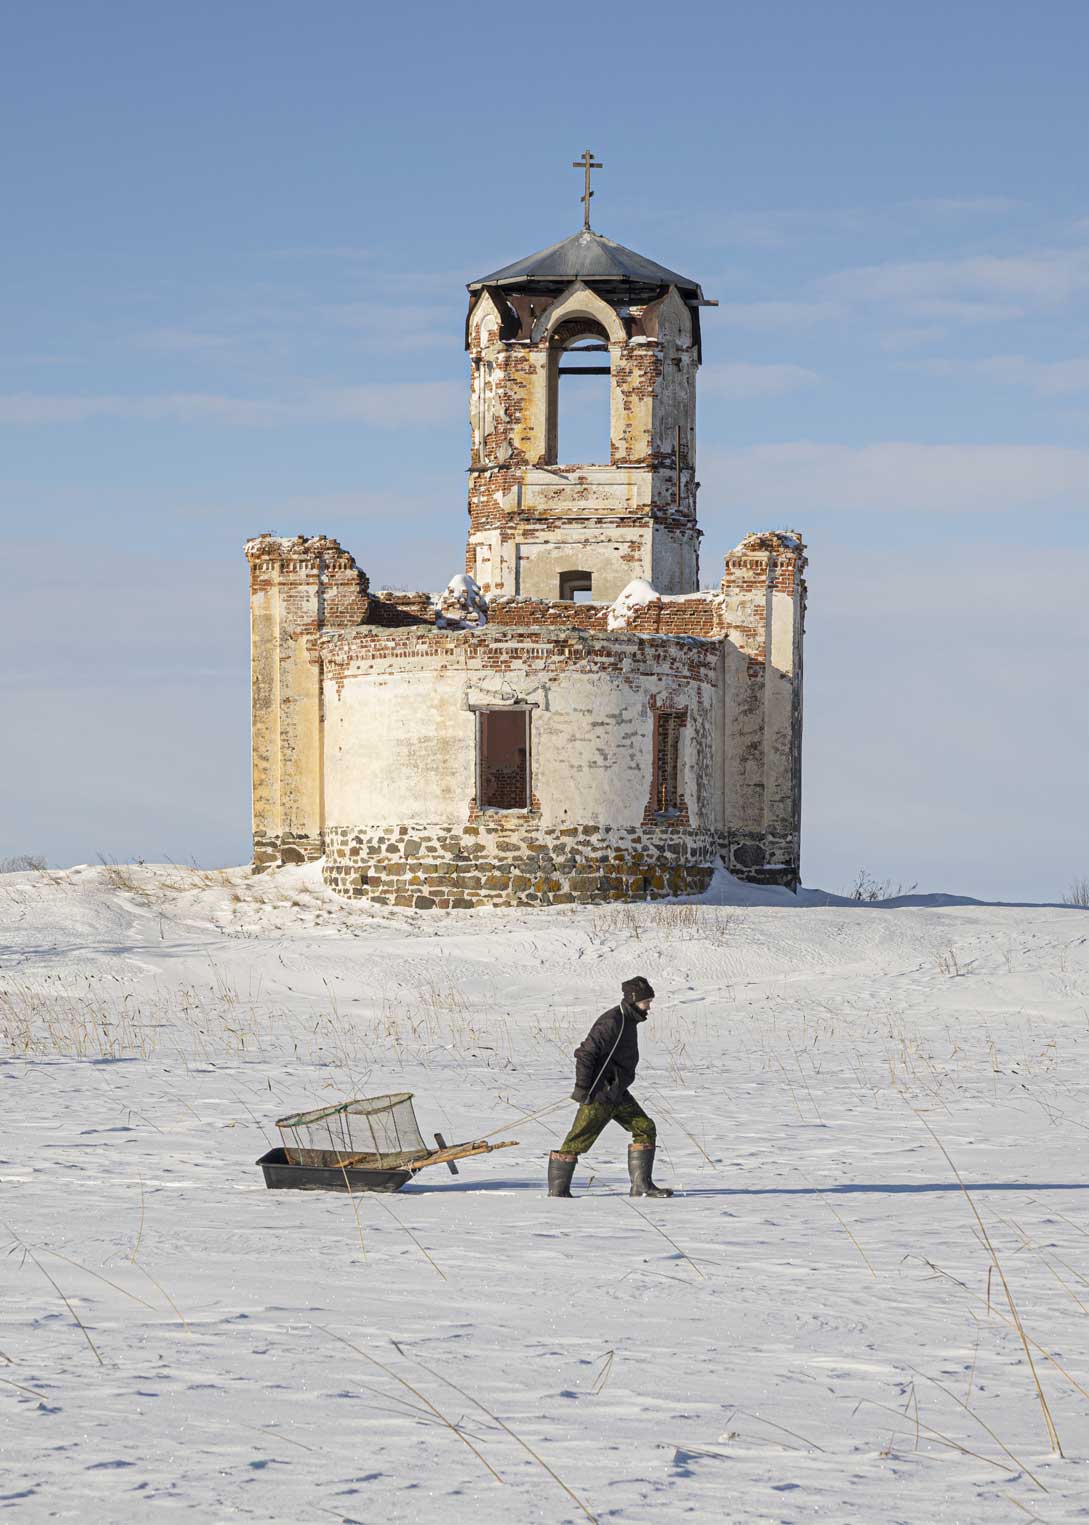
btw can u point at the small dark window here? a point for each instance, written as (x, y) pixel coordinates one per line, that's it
(503, 759)
(574, 583)
(667, 759)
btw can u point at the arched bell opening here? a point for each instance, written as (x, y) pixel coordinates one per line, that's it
(579, 394)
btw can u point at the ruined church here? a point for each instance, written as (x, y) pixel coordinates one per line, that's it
(573, 718)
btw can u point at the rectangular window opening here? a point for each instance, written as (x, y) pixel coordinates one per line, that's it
(503, 759)
(667, 764)
(576, 587)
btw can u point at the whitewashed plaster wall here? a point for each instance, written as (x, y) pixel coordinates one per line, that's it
(400, 732)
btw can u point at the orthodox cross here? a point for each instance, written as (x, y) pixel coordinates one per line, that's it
(587, 163)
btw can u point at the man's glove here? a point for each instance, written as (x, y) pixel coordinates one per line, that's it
(579, 1095)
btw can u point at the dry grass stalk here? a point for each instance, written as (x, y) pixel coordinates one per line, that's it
(450, 1425)
(683, 1253)
(1024, 1508)
(506, 1427)
(27, 1251)
(972, 1372)
(140, 1227)
(99, 1277)
(33, 1391)
(793, 1093)
(843, 1226)
(604, 1374)
(1030, 1244)
(675, 1120)
(166, 1294)
(914, 1398)
(355, 1209)
(1047, 1354)
(771, 1422)
(1049, 1423)
(386, 1207)
(983, 1425)
(945, 1440)
(809, 1090)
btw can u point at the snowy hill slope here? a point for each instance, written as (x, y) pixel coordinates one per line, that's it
(758, 1349)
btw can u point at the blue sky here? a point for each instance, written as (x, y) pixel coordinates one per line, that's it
(236, 238)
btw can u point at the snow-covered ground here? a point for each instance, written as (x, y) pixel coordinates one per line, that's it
(814, 1328)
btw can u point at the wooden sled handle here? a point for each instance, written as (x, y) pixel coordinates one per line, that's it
(442, 1156)
(459, 1152)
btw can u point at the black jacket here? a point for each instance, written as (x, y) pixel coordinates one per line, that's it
(606, 1059)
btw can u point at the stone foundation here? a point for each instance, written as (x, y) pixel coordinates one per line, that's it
(516, 863)
(279, 852)
(761, 859)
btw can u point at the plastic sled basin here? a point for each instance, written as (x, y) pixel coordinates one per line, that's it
(281, 1175)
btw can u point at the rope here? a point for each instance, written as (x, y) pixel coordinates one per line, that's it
(529, 1117)
(532, 1117)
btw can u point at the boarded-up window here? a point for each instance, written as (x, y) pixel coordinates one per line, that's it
(503, 759)
(667, 763)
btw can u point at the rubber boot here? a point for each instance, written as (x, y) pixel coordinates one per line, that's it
(560, 1170)
(640, 1165)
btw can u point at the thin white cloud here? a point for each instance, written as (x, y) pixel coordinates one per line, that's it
(898, 339)
(983, 205)
(398, 404)
(179, 341)
(386, 326)
(1049, 377)
(739, 378)
(395, 405)
(1046, 276)
(777, 315)
(951, 310)
(893, 476)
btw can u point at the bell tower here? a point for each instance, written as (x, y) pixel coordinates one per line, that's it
(542, 525)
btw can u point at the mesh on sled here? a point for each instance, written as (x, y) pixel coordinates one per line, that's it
(378, 1131)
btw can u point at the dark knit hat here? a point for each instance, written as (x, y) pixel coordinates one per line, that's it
(638, 989)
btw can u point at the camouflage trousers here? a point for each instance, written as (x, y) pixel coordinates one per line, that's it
(592, 1117)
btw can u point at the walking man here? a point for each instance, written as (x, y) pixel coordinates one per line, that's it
(605, 1064)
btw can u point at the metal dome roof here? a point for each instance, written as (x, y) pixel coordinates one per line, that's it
(590, 257)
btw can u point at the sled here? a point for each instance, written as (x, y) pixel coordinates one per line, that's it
(369, 1144)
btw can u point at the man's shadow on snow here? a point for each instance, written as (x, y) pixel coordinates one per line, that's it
(602, 1188)
(877, 1188)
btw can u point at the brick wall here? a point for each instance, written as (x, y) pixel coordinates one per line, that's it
(298, 588)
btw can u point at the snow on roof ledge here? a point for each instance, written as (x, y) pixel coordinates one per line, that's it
(635, 596)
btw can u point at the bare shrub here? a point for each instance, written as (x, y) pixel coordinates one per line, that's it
(948, 964)
(867, 887)
(119, 876)
(21, 863)
(1078, 893)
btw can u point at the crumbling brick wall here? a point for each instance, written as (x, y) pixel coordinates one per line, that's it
(298, 587)
(763, 591)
